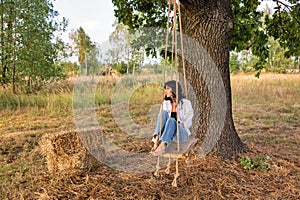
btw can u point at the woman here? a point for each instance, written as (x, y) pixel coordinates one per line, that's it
(168, 119)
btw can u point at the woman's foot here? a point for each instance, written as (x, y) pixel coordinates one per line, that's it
(155, 141)
(160, 149)
(154, 147)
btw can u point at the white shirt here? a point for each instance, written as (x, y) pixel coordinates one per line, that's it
(185, 112)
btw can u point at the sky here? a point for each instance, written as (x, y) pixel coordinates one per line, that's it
(96, 17)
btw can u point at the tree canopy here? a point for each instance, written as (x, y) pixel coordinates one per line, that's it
(251, 27)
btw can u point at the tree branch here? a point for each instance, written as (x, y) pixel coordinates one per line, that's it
(289, 7)
(285, 5)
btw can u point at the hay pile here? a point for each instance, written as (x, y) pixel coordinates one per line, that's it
(70, 150)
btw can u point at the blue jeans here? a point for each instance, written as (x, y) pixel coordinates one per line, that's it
(169, 129)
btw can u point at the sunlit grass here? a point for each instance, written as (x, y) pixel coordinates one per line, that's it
(283, 89)
(268, 102)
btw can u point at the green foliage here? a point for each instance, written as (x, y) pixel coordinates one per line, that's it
(248, 61)
(246, 23)
(94, 66)
(59, 103)
(83, 43)
(259, 163)
(103, 98)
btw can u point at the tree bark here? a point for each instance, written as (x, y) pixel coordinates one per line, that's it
(210, 23)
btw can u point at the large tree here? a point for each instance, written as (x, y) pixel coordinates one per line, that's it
(219, 26)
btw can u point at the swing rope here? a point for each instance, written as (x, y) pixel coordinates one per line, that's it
(182, 50)
(176, 70)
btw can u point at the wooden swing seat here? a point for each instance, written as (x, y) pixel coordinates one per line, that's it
(184, 147)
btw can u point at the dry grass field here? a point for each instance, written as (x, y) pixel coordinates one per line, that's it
(266, 114)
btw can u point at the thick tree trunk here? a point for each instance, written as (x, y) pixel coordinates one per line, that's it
(210, 23)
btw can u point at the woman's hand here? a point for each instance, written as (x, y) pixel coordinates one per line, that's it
(174, 104)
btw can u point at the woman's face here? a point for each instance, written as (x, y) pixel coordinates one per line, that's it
(168, 91)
